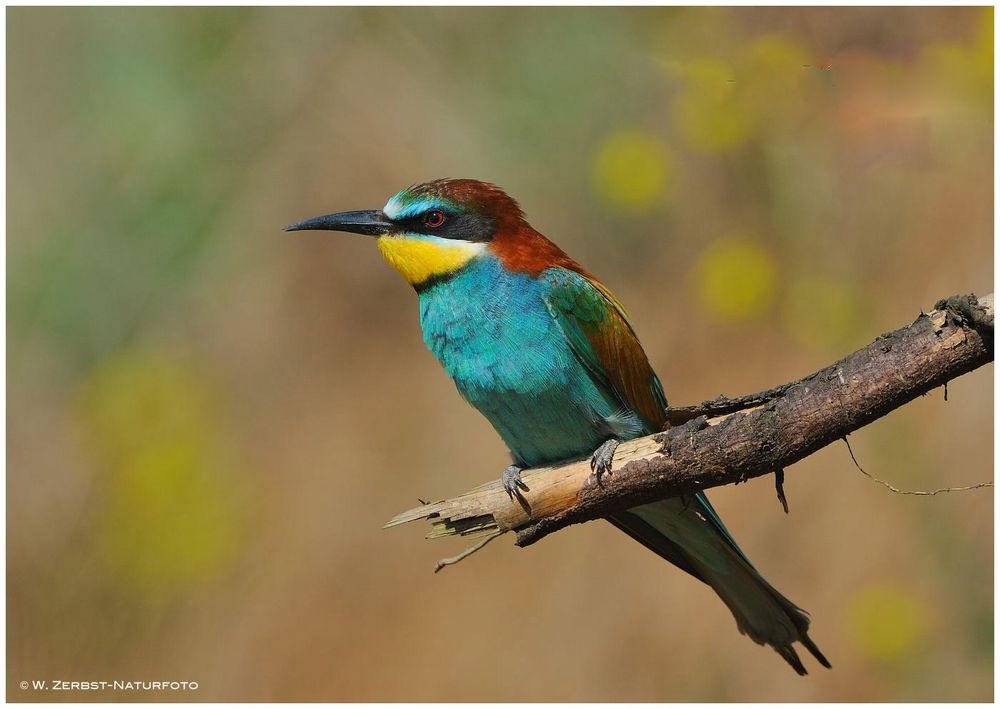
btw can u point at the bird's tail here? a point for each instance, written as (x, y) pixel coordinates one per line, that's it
(687, 532)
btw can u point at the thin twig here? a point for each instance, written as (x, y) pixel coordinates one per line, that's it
(468, 552)
(911, 492)
(779, 487)
(722, 405)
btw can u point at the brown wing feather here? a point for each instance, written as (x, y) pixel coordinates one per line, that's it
(597, 329)
(628, 368)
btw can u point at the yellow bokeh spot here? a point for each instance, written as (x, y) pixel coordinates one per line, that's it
(168, 520)
(736, 279)
(706, 112)
(966, 66)
(633, 172)
(139, 399)
(886, 622)
(725, 102)
(778, 59)
(821, 312)
(709, 77)
(169, 516)
(984, 39)
(772, 92)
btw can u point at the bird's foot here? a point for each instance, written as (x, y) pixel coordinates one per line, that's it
(600, 462)
(510, 478)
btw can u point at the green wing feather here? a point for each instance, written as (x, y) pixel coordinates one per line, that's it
(595, 325)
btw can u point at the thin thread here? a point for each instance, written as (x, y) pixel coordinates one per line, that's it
(468, 552)
(911, 492)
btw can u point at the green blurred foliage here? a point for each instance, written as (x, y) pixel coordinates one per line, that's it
(209, 420)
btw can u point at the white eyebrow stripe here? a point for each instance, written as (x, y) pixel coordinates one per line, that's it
(396, 209)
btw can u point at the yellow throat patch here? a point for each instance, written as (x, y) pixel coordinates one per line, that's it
(420, 258)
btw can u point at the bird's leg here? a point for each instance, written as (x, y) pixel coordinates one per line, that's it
(600, 462)
(511, 480)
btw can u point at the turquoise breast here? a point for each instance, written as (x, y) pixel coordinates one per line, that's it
(495, 337)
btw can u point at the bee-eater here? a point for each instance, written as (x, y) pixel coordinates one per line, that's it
(545, 352)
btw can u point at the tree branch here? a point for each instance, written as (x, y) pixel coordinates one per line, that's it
(725, 441)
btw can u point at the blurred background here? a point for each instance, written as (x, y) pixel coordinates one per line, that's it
(209, 420)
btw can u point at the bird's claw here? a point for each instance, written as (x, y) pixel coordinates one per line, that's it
(600, 462)
(510, 478)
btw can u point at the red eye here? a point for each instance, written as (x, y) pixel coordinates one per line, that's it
(434, 218)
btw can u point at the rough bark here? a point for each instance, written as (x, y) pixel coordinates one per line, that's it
(725, 441)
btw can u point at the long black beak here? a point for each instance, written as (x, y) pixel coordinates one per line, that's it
(367, 221)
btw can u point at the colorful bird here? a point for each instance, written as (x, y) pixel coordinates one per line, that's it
(545, 352)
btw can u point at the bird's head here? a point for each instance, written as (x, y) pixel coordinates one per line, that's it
(431, 230)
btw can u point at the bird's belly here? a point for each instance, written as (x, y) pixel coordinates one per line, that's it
(556, 421)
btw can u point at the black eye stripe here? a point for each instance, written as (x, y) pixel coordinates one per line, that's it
(460, 226)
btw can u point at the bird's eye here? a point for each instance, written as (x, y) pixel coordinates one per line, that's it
(434, 218)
